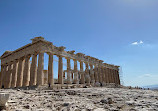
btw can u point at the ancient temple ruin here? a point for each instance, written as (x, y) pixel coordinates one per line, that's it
(18, 71)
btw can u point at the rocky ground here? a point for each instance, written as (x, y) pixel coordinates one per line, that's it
(83, 99)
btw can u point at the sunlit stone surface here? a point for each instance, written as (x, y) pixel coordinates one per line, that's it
(24, 67)
(3, 99)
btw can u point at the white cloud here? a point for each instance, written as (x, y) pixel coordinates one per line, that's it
(141, 42)
(145, 75)
(137, 43)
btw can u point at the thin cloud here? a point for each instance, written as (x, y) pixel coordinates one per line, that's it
(141, 42)
(137, 43)
(146, 75)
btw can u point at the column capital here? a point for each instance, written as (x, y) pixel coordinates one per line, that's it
(28, 56)
(36, 53)
(74, 59)
(16, 60)
(22, 58)
(71, 52)
(50, 53)
(10, 63)
(61, 48)
(60, 56)
(86, 62)
(81, 61)
(68, 58)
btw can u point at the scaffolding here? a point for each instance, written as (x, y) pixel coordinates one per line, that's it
(121, 75)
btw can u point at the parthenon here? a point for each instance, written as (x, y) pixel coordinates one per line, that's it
(18, 71)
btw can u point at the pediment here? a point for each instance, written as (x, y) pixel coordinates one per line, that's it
(6, 53)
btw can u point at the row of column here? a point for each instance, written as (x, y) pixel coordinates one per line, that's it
(20, 73)
(97, 74)
(106, 75)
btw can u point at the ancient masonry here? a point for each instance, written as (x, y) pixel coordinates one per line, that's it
(18, 71)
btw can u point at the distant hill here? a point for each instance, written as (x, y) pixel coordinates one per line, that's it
(152, 86)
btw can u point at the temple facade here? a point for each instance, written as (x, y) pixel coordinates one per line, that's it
(17, 70)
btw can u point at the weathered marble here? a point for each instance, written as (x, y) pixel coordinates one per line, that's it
(17, 70)
(3, 99)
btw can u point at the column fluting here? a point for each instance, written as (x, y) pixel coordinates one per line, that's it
(26, 73)
(69, 77)
(4, 81)
(14, 74)
(20, 72)
(1, 75)
(87, 76)
(82, 73)
(92, 74)
(96, 74)
(40, 76)
(50, 70)
(60, 70)
(75, 72)
(33, 71)
(9, 76)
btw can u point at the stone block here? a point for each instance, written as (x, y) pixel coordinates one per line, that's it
(3, 100)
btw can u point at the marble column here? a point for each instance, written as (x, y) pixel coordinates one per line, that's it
(1, 75)
(64, 75)
(20, 72)
(96, 74)
(103, 74)
(4, 76)
(9, 76)
(50, 70)
(40, 75)
(72, 75)
(118, 78)
(100, 74)
(106, 75)
(110, 75)
(33, 71)
(75, 72)
(14, 74)
(26, 73)
(113, 76)
(60, 70)
(69, 77)
(82, 73)
(92, 74)
(87, 76)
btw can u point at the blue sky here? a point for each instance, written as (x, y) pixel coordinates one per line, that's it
(121, 32)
